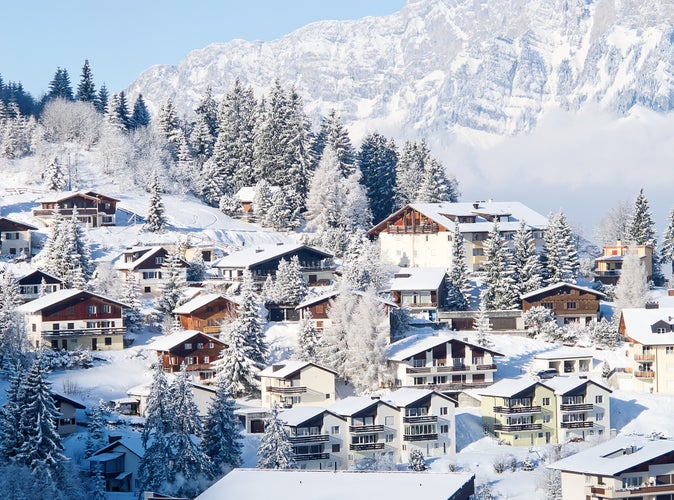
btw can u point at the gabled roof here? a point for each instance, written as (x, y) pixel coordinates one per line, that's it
(54, 298)
(20, 279)
(509, 387)
(200, 301)
(355, 404)
(288, 368)
(418, 278)
(168, 342)
(638, 324)
(150, 253)
(12, 225)
(407, 396)
(297, 415)
(60, 397)
(564, 385)
(263, 253)
(334, 293)
(133, 445)
(613, 457)
(561, 284)
(102, 196)
(64, 195)
(409, 346)
(566, 353)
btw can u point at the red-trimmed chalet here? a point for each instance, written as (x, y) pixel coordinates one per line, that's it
(206, 313)
(93, 209)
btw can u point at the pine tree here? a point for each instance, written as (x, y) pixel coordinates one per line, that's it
(206, 128)
(12, 329)
(11, 414)
(604, 333)
(86, 90)
(499, 290)
(290, 285)
(67, 253)
(335, 346)
(101, 102)
(482, 326)
(377, 159)
(409, 175)
(458, 285)
(60, 86)
(250, 323)
(298, 155)
(190, 463)
(334, 134)
(275, 451)
(262, 202)
(270, 137)
(667, 250)
(122, 110)
(527, 274)
(280, 212)
(133, 317)
(54, 176)
(167, 121)
(236, 367)
(417, 460)
(632, 287)
(173, 283)
(96, 435)
(113, 119)
(436, 186)
(140, 116)
(361, 265)
(156, 220)
(641, 231)
(560, 257)
(221, 439)
(309, 342)
(213, 185)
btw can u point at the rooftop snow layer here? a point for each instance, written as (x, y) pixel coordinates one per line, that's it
(565, 353)
(418, 278)
(508, 387)
(409, 346)
(638, 325)
(199, 301)
(260, 253)
(297, 415)
(167, 342)
(549, 288)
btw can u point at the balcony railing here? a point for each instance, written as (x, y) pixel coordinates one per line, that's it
(486, 367)
(366, 446)
(450, 368)
(313, 438)
(286, 390)
(517, 427)
(420, 229)
(311, 456)
(420, 419)
(644, 357)
(584, 424)
(608, 492)
(360, 429)
(420, 437)
(508, 410)
(645, 374)
(577, 407)
(83, 331)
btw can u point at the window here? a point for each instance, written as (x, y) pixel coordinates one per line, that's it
(108, 340)
(389, 438)
(443, 410)
(599, 417)
(546, 401)
(546, 419)
(147, 289)
(570, 305)
(188, 346)
(91, 309)
(159, 260)
(206, 359)
(478, 252)
(211, 345)
(669, 349)
(335, 448)
(107, 309)
(599, 399)
(632, 482)
(56, 326)
(547, 305)
(444, 429)
(327, 396)
(200, 345)
(33, 327)
(334, 430)
(388, 421)
(71, 326)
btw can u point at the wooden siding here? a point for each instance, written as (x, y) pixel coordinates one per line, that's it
(409, 221)
(77, 308)
(560, 299)
(209, 317)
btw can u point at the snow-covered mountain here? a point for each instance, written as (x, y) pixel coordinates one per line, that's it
(440, 66)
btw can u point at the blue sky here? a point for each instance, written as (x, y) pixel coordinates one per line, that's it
(124, 37)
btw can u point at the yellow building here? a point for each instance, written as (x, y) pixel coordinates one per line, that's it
(609, 265)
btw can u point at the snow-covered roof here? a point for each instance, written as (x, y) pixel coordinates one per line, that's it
(509, 387)
(13, 225)
(168, 342)
(139, 390)
(131, 443)
(615, 456)
(418, 278)
(353, 404)
(564, 385)
(247, 193)
(63, 195)
(334, 293)
(408, 395)
(409, 346)
(149, 253)
(565, 353)
(285, 369)
(199, 301)
(561, 284)
(638, 325)
(38, 271)
(262, 484)
(61, 397)
(262, 253)
(59, 296)
(297, 415)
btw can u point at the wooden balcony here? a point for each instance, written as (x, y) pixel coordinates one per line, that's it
(584, 424)
(313, 438)
(420, 229)
(517, 427)
(82, 331)
(311, 456)
(366, 446)
(286, 390)
(486, 367)
(420, 437)
(365, 429)
(577, 407)
(644, 357)
(645, 374)
(510, 410)
(420, 420)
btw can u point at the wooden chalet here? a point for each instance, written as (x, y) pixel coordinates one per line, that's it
(206, 313)
(196, 350)
(75, 319)
(421, 289)
(569, 302)
(37, 284)
(118, 462)
(146, 264)
(15, 238)
(319, 306)
(93, 209)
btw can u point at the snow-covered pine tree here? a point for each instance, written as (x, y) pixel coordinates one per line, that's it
(154, 472)
(641, 231)
(133, 316)
(212, 185)
(205, 130)
(270, 136)
(334, 134)
(560, 257)
(96, 430)
(355, 213)
(140, 116)
(60, 86)
(326, 194)
(499, 291)
(539, 322)
(417, 461)
(377, 159)
(290, 285)
(436, 186)
(235, 366)
(54, 176)
(156, 219)
(409, 175)
(275, 451)
(632, 287)
(262, 202)
(250, 322)
(667, 250)
(527, 273)
(334, 350)
(604, 333)
(173, 283)
(86, 90)
(122, 111)
(78, 254)
(309, 342)
(458, 285)
(221, 438)
(482, 326)
(361, 265)
(101, 102)
(11, 414)
(190, 464)
(279, 214)
(269, 290)
(167, 121)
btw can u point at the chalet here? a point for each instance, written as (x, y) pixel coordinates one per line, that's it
(246, 195)
(444, 362)
(206, 313)
(93, 209)
(196, 350)
(15, 238)
(530, 412)
(263, 260)
(67, 408)
(119, 462)
(421, 234)
(37, 284)
(421, 289)
(256, 484)
(75, 319)
(297, 383)
(146, 265)
(624, 467)
(609, 265)
(136, 401)
(650, 337)
(569, 302)
(566, 360)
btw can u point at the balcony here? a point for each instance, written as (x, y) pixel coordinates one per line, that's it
(313, 438)
(608, 492)
(485, 367)
(584, 424)
(517, 427)
(420, 437)
(83, 331)
(311, 456)
(645, 374)
(364, 429)
(420, 229)
(366, 446)
(509, 410)
(577, 407)
(286, 390)
(420, 420)
(644, 357)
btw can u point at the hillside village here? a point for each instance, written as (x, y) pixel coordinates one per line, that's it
(199, 309)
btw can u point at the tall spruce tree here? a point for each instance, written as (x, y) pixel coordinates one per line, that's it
(133, 316)
(333, 133)
(11, 414)
(60, 86)
(308, 341)
(156, 220)
(377, 159)
(250, 322)
(334, 350)
(221, 439)
(436, 186)
(236, 367)
(140, 116)
(409, 175)
(290, 287)
(101, 101)
(275, 450)
(482, 325)
(458, 284)
(560, 257)
(667, 250)
(86, 90)
(173, 283)
(527, 273)
(632, 287)
(499, 292)
(270, 136)
(641, 231)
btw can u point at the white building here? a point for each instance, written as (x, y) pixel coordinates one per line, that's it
(297, 383)
(15, 238)
(146, 265)
(566, 360)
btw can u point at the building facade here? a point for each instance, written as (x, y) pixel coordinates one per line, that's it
(15, 238)
(569, 303)
(297, 383)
